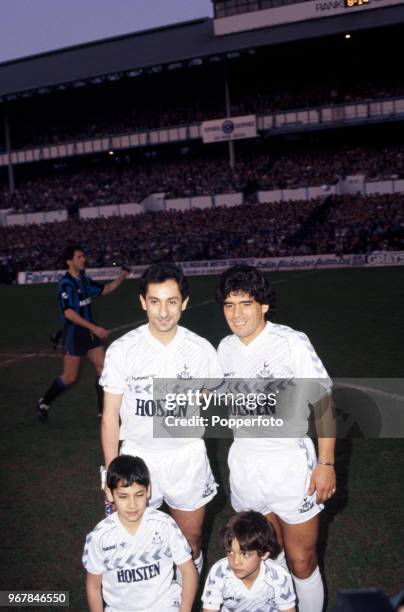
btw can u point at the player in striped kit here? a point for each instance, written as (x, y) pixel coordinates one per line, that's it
(81, 336)
(279, 477)
(179, 467)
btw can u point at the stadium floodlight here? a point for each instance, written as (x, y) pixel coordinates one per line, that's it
(114, 76)
(347, 36)
(175, 66)
(197, 61)
(134, 73)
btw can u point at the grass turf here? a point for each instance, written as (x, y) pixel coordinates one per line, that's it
(49, 477)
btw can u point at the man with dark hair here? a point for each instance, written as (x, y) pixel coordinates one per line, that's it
(81, 336)
(179, 467)
(279, 477)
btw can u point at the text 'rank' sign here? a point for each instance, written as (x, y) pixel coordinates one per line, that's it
(231, 128)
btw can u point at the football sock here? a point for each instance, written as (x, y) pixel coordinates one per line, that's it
(100, 395)
(56, 388)
(310, 592)
(281, 560)
(199, 563)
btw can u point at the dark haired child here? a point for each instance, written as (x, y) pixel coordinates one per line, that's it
(129, 556)
(247, 579)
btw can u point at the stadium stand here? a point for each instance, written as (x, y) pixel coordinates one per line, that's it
(128, 181)
(351, 225)
(79, 116)
(182, 75)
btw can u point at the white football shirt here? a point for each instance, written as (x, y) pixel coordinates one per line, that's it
(135, 360)
(272, 590)
(137, 570)
(284, 354)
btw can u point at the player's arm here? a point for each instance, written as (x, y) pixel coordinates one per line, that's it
(75, 318)
(110, 287)
(93, 590)
(190, 581)
(323, 479)
(110, 426)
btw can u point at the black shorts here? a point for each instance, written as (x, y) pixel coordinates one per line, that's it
(77, 341)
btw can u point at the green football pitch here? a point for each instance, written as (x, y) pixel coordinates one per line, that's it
(50, 473)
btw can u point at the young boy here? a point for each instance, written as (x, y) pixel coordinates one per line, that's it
(247, 579)
(129, 556)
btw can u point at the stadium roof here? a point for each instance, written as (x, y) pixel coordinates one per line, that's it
(180, 42)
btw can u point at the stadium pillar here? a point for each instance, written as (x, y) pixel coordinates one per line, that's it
(11, 183)
(232, 155)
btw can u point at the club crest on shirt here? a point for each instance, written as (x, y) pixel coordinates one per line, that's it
(157, 539)
(185, 373)
(264, 372)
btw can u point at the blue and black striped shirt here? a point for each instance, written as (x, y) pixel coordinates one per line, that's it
(76, 293)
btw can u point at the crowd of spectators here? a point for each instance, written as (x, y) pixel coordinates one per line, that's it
(100, 115)
(354, 224)
(188, 177)
(351, 225)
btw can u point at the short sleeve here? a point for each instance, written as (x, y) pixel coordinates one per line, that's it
(285, 593)
(308, 365)
(179, 547)
(92, 558)
(212, 596)
(215, 369)
(66, 295)
(225, 355)
(113, 373)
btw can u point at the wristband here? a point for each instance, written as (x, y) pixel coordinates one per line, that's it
(325, 463)
(103, 476)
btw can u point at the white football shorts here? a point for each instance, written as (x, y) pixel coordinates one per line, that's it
(274, 480)
(181, 476)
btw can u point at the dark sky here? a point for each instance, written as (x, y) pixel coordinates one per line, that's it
(33, 26)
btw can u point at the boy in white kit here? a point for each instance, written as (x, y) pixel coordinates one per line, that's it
(247, 579)
(129, 556)
(179, 467)
(285, 481)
